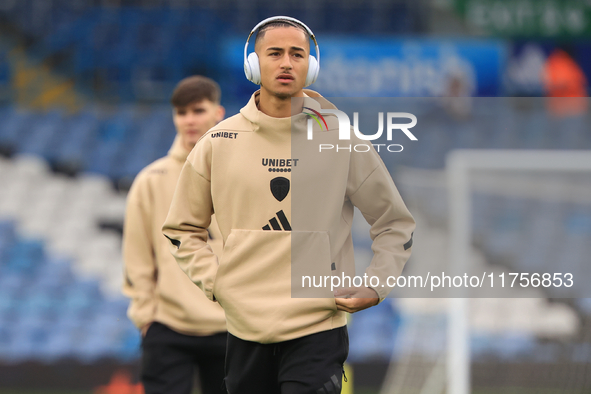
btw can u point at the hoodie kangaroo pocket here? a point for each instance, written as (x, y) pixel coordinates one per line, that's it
(259, 280)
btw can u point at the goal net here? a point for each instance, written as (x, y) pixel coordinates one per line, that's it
(520, 220)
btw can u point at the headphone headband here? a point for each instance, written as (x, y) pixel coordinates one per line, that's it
(282, 18)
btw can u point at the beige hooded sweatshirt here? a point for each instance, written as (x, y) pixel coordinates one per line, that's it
(283, 211)
(159, 290)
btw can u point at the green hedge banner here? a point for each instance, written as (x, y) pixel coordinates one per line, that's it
(528, 18)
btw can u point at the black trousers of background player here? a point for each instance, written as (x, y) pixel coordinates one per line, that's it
(169, 360)
(312, 364)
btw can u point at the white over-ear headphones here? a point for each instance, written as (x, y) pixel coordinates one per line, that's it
(252, 68)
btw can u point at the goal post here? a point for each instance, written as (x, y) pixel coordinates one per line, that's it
(459, 164)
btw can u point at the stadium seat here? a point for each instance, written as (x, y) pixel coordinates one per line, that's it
(372, 334)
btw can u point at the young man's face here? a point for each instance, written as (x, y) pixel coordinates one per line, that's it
(283, 57)
(192, 121)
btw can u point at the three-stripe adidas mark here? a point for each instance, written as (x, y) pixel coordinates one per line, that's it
(331, 387)
(275, 224)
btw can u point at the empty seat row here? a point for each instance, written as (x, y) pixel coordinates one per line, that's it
(47, 312)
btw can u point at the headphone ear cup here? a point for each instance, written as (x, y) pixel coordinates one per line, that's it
(313, 69)
(252, 69)
(247, 70)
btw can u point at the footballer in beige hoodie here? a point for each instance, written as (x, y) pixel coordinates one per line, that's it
(181, 328)
(280, 212)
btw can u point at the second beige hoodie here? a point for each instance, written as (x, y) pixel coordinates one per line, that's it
(159, 290)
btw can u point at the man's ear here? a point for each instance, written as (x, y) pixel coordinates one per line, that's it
(221, 111)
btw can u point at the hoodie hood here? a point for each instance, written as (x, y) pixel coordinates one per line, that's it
(177, 150)
(261, 121)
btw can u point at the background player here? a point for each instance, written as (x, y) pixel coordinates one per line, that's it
(181, 328)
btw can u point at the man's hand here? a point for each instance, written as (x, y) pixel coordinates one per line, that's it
(145, 328)
(355, 299)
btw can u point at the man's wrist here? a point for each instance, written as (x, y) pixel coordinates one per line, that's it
(377, 296)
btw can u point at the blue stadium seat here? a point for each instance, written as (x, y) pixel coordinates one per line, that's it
(48, 314)
(13, 127)
(40, 305)
(568, 133)
(69, 33)
(24, 343)
(506, 347)
(537, 133)
(372, 333)
(79, 133)
(7, 239)
(105, 157)
(26, 254)
(46, 137)
(581, 353)
(117, 308)
(6, 333)
(58, 345)
(12, 283)
(129, 348)
(504, 134)
(94, 348)
(69, 323)
(547, 352)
